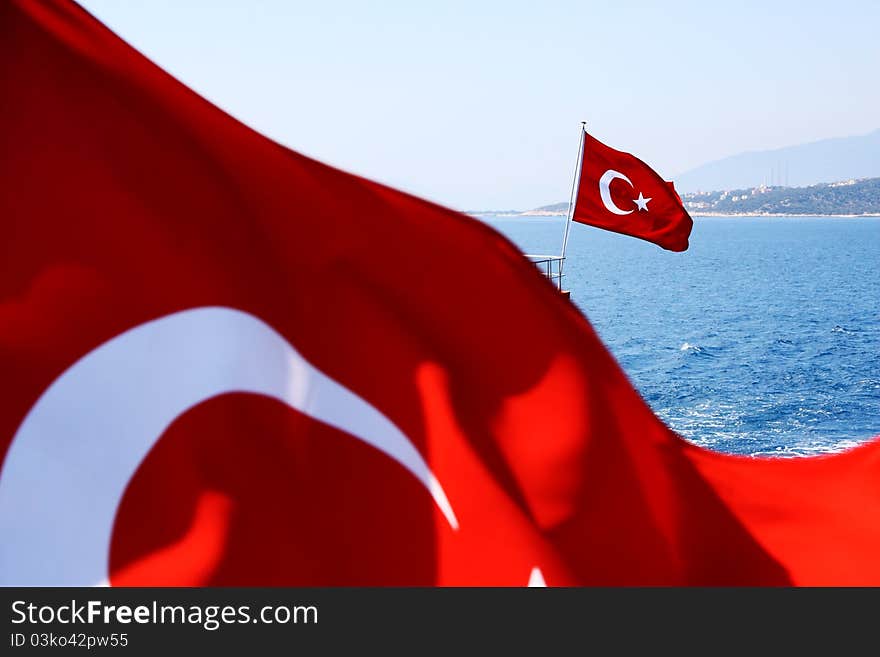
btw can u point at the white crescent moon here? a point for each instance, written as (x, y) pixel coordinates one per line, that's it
(605, 191)
(71, 459)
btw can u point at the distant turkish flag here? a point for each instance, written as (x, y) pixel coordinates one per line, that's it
(619, 192)
(223, 363)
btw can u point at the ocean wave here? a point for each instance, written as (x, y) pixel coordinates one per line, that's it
(696, 350)
(812, 449)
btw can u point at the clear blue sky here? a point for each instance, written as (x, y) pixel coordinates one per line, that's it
(476, 104)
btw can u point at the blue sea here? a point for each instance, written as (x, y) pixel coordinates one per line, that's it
(762, 338)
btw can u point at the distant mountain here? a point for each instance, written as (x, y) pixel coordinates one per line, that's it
(544, 211)
(849, 197)
(493, 213)
(841, 158)
(554, 209)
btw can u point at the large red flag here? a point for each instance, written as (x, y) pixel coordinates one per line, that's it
(222, 362)
(619, 192)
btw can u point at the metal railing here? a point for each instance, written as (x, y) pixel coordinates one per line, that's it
(550, 266)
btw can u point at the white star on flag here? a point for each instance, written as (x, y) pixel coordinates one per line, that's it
(642, 202)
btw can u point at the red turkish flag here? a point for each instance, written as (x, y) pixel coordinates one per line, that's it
(223, 363)
(619, 192)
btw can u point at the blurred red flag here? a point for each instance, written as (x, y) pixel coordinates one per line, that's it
(619, 192)
(224, 363)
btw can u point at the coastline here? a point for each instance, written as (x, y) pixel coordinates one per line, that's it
(780, 215)
(696, 214)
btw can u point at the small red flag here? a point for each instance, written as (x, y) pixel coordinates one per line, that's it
(621, 193)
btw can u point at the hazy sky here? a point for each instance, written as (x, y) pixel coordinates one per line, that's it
(476, 104)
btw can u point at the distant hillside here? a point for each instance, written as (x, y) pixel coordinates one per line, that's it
(544, 211)
(493, 213)
(555, 208)
(850, 197)
(830, 159)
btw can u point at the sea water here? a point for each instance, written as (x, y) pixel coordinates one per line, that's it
(762, 338)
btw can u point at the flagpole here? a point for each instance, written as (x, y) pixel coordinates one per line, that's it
(575, 187)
